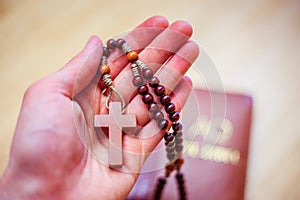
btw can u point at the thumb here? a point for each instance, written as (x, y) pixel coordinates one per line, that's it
(81, 69)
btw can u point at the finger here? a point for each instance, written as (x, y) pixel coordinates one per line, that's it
(79, 72)
(138, 38)
(158, 52)
(169, 76)
(178, 65)
(167, 43)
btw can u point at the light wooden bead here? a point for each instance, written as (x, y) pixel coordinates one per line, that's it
(132, 56)
(104, 69)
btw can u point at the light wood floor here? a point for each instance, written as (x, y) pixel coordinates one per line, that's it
(255, 45)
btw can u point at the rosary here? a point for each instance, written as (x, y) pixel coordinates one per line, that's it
(144, 80)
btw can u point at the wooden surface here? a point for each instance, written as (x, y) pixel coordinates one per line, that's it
(255, 45)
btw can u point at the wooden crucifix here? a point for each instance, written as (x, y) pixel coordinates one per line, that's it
(115, 121)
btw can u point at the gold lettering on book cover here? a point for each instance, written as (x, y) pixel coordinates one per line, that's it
(214, 133)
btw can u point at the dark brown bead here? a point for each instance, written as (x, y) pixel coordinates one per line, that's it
(106, 52)
(170, 168)
(171, 144)
(163, 124)
(158, 116)
(153, 82)
(171, 156)
(179, 176)
(168, 137)
(111, 44)
(179, 148)
(159, 90)
(178, 134)
(183, 196)
(147, 98)
(153, 107)
(147, 73)
(170, 150)
(170, 108)
(159, 189)
(180, 182)
(165, 99)
(137, 81)
(174, 116)
(120, 43)
(178, 140)
(132, 56)
(162, 180)
(177, 127)
(181, 186)
(142, 90)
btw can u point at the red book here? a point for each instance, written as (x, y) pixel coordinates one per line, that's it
(216, 128)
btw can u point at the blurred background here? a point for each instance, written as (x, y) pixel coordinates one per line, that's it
(254, 44)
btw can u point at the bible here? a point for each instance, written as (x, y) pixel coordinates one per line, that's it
(216, 139)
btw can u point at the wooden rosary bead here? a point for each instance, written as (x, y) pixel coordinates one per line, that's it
(171, 156)
(163, 124)
(180, 182)
(174, 116)
(169, 137)
(179, 161)
(181, 185)
(111, 44)
(104, 69)
(106, 52)
(153, 107)
(179, 148)
(142, 90)
(119, 43)
(170, 167)
(137, 81)
(165, 99)
(132, 56)
(153, 82)
(170, 150)
(183, 196)
(181, 188)
(162, 180)
(148, 98)
(179, 176)
(158, 116)
(147, 73)
(170, 144)
(159, 90)
(159, 187)
(178, 140)
(170, 108)
(178, 134)
(177, 127)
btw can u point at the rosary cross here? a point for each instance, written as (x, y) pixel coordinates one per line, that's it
(115, 121)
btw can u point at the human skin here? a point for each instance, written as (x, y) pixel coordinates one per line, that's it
(48, 160)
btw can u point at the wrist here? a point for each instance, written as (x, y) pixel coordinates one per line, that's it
(7, 186)
(18, 186)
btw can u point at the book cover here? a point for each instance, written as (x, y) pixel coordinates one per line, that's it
(216, 139)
